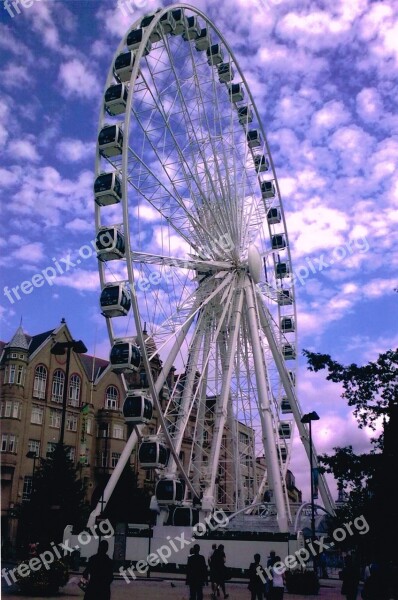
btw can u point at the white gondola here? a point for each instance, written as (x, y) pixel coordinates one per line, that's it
(193, 29)
(278, 241)
(261, 163)
(268, 191)
(285, 406)
(287, 325)
(288, 351)
(115, 300)
(116, 99)
(155, 35)
(225, 72)
(123, 66)
(215, 54)
(153, 453)
(180, 22)
(254, 138)
(107, 189)
(285, 430)
(292, 377)
(110, 244)
(110, 140)
(125, 357)
(169, 491)
(185, 516)
(167, 22)
(245, 114)
(137, 408)
(285, 298)
(282, 452)
(236, 92)
(203, 40)
(135, 38)
(282, 270)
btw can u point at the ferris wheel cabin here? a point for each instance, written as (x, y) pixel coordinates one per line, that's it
(123, 66)
(125, 357)
(285, 430)
(169, 491)
(245, 114)
(215, 54)
(278, 241)
(110, 140)
(254, 138)
(193, 29)
(116, 99)
(225, 72)
(236, 93)
(285, 298)
(287, 325)
(285, 406)
(288, 351)
(261, 163)
(268, 191)
(282, 270)
(107, 189)
(282, 453)
(155, 33)
(134, 40)
(137, 408)
(110, 244)
(180, 22)
(185, 516)
(167, 22)
(203, 40)
(115, 300)
(153, 453)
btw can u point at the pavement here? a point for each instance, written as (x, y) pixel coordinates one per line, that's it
(175, 589)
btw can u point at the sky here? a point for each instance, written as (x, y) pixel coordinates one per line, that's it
(323, 75)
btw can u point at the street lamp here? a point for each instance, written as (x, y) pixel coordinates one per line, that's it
(103, 427)
(308, 418)
(59, 349)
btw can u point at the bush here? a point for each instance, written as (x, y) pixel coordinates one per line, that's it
(302, 582)
(44, 581)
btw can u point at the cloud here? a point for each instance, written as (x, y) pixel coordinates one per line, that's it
(77, 80)
(15, 76)
(74, 150)
(30, 253)
(23, 149)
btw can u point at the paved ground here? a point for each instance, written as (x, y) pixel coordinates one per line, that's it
(151, 589)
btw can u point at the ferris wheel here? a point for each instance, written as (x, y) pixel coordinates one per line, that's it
(195, 271)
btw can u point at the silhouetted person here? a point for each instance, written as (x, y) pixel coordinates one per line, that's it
(196, 574)
(99, 573)
(256, 579)
(350, 577)
(212, 573)
(218, 564)
(271, 559)
(376, 585)
(277, 588)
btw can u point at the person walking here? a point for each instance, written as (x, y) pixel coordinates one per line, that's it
(350, 577)
(277, 587)
(218, 565)
(99, 573)
(196, 574)
(211, 569)
(256, 579)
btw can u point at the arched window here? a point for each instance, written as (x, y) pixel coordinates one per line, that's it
(74, 390)
(58, 386)
(40, 381)
(112, 397)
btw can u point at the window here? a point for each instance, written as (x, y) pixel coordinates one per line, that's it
(71, 422)
(4, 441)
(115, 458)
(20, 375)
(55, 418)
(13, 355)
(34, 446)
(15, 410)
(12, 443)
(50, 448)
(112, 397)
(9, 376)
(74, 390)
(27, 488)
(37, 415)
(58, 386)
(71, 453)
(39, 384)
(118, 432)
(89, 425)
(243, 438)
(8, 407)
(104, 459)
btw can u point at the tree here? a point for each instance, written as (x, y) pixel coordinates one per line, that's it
(372, 390)
(57, 500)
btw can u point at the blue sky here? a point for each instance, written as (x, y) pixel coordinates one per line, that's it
(323, 76)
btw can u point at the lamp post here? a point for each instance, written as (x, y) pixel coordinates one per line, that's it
(104, 428)
(59, 349)
(308, 418)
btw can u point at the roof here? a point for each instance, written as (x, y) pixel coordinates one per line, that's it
(37, 340)
(19, 340)
(89, 362)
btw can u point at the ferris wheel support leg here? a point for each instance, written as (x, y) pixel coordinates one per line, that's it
(265, 409)
(221, 414)
(114, 478)
(293, 400)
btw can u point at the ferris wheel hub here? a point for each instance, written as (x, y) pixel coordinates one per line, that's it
(255, 263)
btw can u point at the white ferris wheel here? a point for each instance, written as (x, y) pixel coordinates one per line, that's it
(195, 271)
